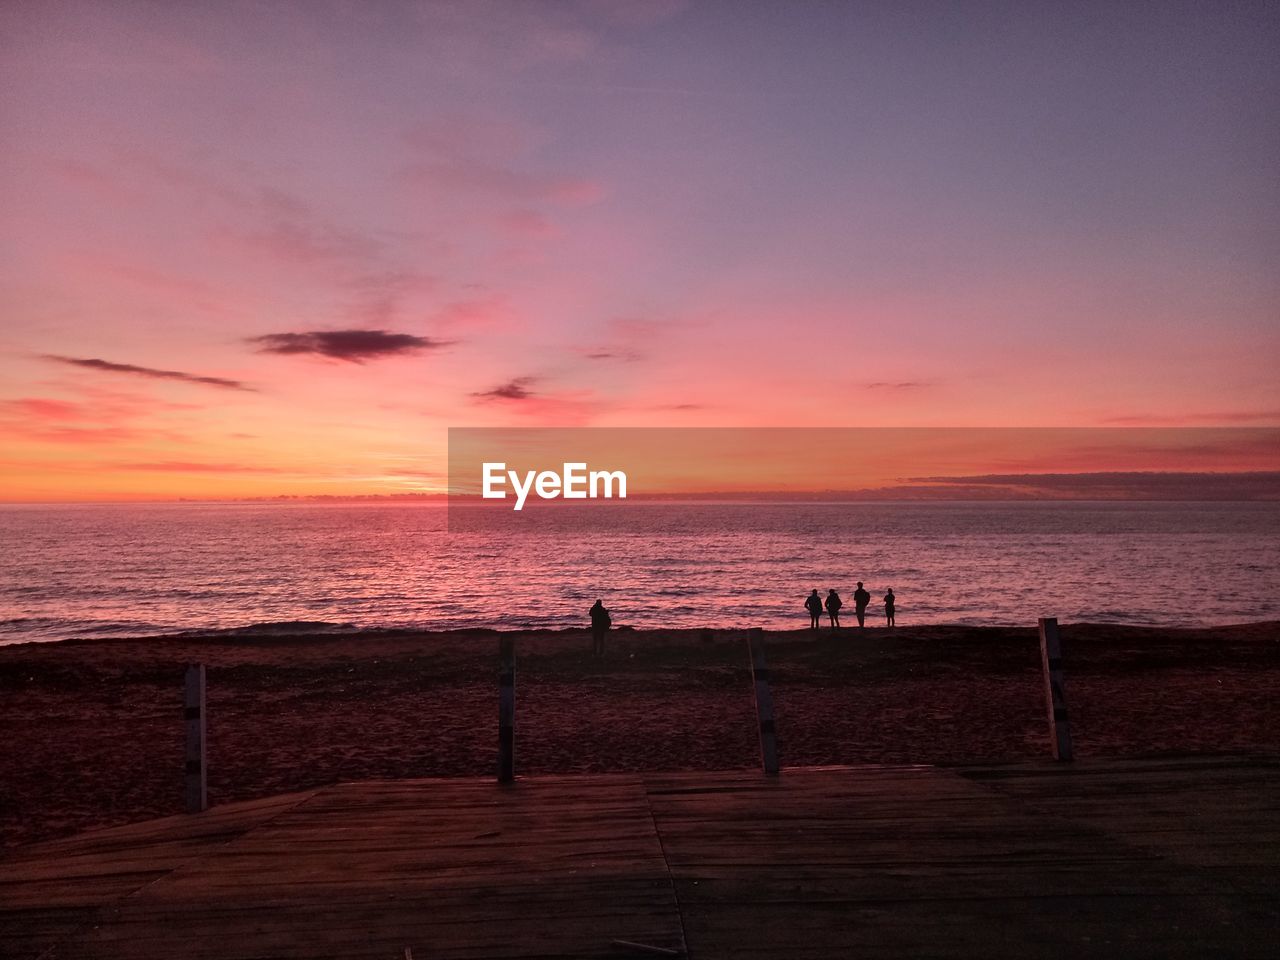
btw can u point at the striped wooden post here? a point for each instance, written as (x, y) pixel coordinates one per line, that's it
(764, 703)
(197, 780)
(506, 710)
(1055, 693)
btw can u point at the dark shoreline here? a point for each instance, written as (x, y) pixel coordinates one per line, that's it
(93, 731)
(266, 634)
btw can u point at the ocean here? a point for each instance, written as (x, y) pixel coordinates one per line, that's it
(155, 569)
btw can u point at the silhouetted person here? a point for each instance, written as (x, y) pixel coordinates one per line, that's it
(889, 601)
(860, 600)
(600, 623)
(834, 603)
(813, 603)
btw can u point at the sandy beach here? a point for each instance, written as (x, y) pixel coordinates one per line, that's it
(93, 729)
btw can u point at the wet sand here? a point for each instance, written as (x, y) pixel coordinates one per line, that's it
(91, 731)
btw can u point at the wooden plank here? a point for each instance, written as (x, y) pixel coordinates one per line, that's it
(940, 870)
(449, 869)
(1055, 691)
(1134, 858)
(764, 703)
(52, 890)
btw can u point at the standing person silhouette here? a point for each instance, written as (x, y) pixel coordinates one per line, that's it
(834, 603)
(813, 603)
(600, 623)
(860, 600)
(889, 601)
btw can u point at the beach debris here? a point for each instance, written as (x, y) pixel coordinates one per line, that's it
(644, 948)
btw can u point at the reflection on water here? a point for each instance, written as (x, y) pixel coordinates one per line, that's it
(146, 569)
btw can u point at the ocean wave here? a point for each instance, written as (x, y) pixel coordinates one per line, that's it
(296, 571)
(271, 628)
(33, 622)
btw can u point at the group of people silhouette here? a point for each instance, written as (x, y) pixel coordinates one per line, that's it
(861, 598)
(601, 621)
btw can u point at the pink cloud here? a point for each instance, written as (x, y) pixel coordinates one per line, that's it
(627, 339)
(293, 232)
(112, 401)
(108, 419)
(492, 158)
(635, 12)
(503, 183)
(186, 466)
(552, 43)
(379, 298)
(44, 409)
(148, 278)
(569, 408)
(192, 181)
(528, 223)
(260, 221)
(96, 181)
(194, 295)
(75, 436)
(488, 311)
(461, 135)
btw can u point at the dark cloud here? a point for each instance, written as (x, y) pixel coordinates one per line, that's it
(898, 385)
(1132, 485)
(1160, 420)
(517, 389)
(627, 339)
(355, 346)
(625, 356)
(92, 363)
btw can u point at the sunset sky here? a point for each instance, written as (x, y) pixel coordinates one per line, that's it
(274, 248)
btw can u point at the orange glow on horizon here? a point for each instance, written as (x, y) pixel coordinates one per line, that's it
(282, 255)
(659, 461)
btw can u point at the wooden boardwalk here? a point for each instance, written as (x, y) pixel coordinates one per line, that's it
(1156, 858)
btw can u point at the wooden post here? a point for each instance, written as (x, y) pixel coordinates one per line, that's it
(1055, 693)
(506, 710)
(764, 703)
(197, 782)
